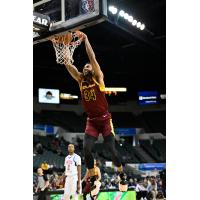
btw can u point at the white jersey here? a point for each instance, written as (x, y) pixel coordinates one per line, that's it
(71, 163)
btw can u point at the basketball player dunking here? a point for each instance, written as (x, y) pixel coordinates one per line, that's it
(92, 87)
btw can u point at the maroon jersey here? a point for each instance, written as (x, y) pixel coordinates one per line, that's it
(93, 98)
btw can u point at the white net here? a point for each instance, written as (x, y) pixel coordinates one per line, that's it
(64, 52)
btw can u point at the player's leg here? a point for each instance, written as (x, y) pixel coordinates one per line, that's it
(67, 189)
(109, 140)
(89, 142)
(91, 135)
(73, 191)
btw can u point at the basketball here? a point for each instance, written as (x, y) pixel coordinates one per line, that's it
(63, 39)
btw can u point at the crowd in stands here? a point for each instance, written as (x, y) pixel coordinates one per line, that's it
(129, 154)
(147, 188)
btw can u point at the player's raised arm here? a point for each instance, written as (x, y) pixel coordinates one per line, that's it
(92, 58)
(73, 71)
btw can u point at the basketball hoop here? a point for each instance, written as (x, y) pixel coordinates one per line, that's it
(65, 45)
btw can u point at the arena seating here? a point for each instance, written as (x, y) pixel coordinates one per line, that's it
(51, 158)
(155, 121)
(138, 153)
(68, 120)
(75, 123)
(145, 153)
(160, 147)
(154, 153)
(124, 119)
(151, 121)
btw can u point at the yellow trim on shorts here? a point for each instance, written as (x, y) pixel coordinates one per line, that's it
(112, 127)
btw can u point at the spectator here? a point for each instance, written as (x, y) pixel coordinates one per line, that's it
(141, 191)
(116, 181)
(135, 181)
(106, 181)
(54, 181)
(159, 185)
(111, 186)
(163, 178)
(42, 184)
(34, 151)
(102, 185)
(160, 196)
(153, 188)
(39, 148)
(105, 175)
(131, 183)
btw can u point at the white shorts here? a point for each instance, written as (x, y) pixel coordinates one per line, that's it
(71, 185)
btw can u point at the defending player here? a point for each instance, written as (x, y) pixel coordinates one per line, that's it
(73, 174)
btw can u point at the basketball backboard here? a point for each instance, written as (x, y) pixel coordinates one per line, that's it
(61, 16)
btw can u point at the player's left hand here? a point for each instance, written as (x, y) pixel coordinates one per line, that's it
(42, 189)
